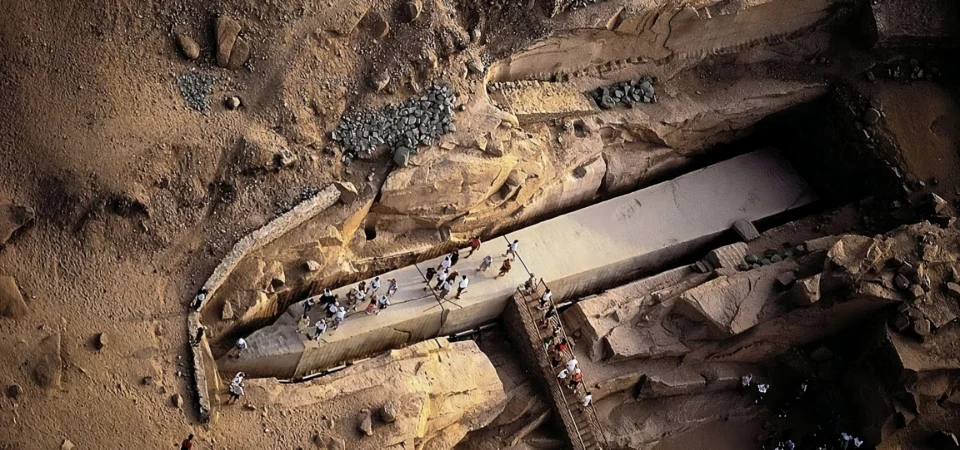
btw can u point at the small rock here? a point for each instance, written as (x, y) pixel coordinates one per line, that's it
(921, 327)
(379, 26)
(871, 116)
(751, 259)
(67, 445)
(227, 31)
(901, 282)
(285, 159)
(380, 81)
(412, 9)
(348, 192)
(176, 400)
(227, 312)
(937, 203)
(900, 322)
(953, 289)
(776, 258)
(146, 381)
(916, 291)
(475, 65)
(389, 412)
(493, 146)
(188, 47)
(401, 156)
(312, 266)
(14, 391)
(101, 341)
(787, 279)
(12, 304)
(365, 422)
(746, 230)
(233, 103)
(249, 407)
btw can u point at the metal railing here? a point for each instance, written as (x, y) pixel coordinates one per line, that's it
(592, 413)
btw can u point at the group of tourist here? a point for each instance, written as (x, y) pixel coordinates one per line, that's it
(821, 439)
(557, 348)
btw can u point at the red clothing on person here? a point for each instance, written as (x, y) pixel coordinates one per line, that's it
(577, 377)
(562, 347)
(186, 445)
(475, 243)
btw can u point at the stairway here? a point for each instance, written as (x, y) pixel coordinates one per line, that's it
(581, 423)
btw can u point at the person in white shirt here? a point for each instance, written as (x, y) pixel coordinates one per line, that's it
(392, 287)
(441, 277)
(545, 298)
(485, 264)
(587, 399)
(445, 263)
(321, 327)
(445, 289)
(338, 318)
(464, 282)
(241, 346)
(198, 300)
(382, 303)
(572, 364)
(374, 285)
(531, 284)
(236, 387)
(857, 442)
(332, 309)
(845, 440)
(361, 298)
(512, 249)
(745, 382)
(762, 391)
(563, 374)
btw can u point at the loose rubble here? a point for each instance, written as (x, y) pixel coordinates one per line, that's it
(628, 93)
(577, 4)
(401, 127)
(196, 88)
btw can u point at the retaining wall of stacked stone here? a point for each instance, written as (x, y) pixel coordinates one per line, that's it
(205, 379)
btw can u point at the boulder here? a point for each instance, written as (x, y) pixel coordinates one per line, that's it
(273, 276)
(732, 304)
(188, 47)
(953, 289)
(14, 391)
(228, 31)
(746, 230)
(805, 292)
(239, 55)
(233, 103)
(285, 159)
(412, 10)
(12, 304)
(227, 312)
(379, 27)
(67, 445)
(47, 370)
(101, 341)
(475, 65)
(787, 279)
(176, 400)
(728, 256)
(401, 156)
(312, 266)
(365, 422)
(13, 220)
(388, 413)
(493, 147)
(348, 192)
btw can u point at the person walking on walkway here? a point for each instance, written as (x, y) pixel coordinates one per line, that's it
(485, 264)
(587, 400)
(464, 282)
(187, 443)
(504, 268)
(198, 299)
(392, 287)
(562, 345)
(454, 257)
(556, 360)
(563, 374)
(236, 387)
(308, 305)
(199, 336)
(374, 286)
(761, 392)
(549, 314)
(545, 298)
(320, 328)
(431, 272)
(572, 364)
(241, 346)
(575, 379)
(512, 249)
(339, 317)
(474, 245)
(327, 297)
(445, 263)
(361, 297)
(371, 307)
(530, 286)
(441, 277)
(382, 304)
(444, 289)
(332, 309)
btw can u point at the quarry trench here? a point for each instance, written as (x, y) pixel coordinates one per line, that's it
(615, 241)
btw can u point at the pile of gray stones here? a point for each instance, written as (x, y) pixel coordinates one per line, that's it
(400, 127)
(771, 256)
(626, 92)
(196, 88)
